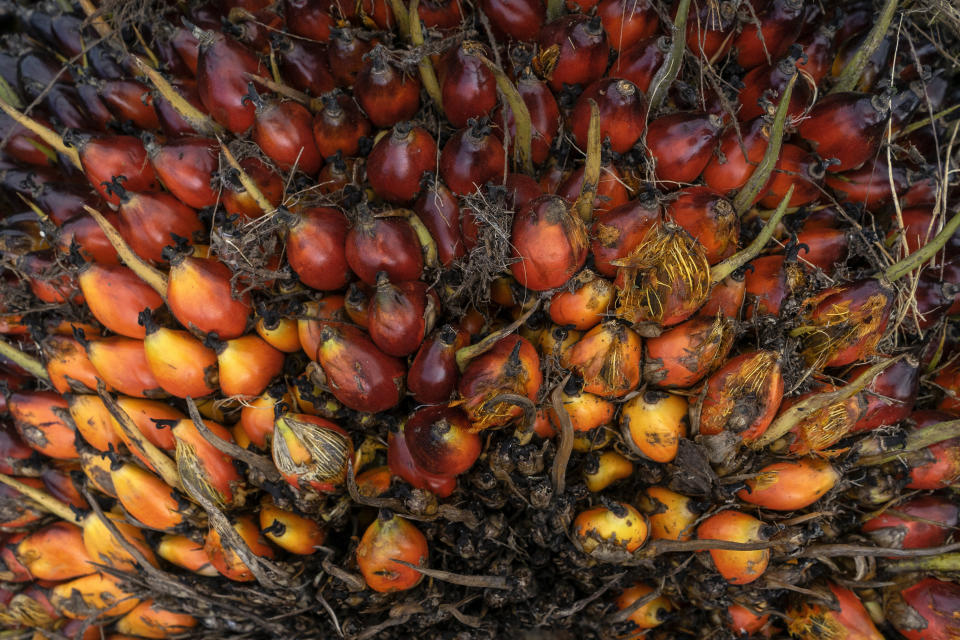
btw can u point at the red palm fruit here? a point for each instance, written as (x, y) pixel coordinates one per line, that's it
(256, 416)
(583, 50)
(152, 418)
(55, 552)
(846, 128)
(743, 396)
(204, 468)
(186, 166)
(310, 19)
(936, 294)
(440, 14)
(671, 515)
(131, 101)
(776, 28)
(316, 248)
(401, 464)
(182, 364)
(652, 424)
(150, 620)
(90, 238)
(439, 211)
(247, 365)
(471, 158)
(921, 522)
(284, 131)
(819, 48)
(68, 366)
(708, 217)
(663, 281)
(290, 531)
(387, 539)
(93, 422)
(108, 156)
(544, 116)
(627, 22)
(765, 84)
(337, 173)
(948, 380)
(517, 19)
(647, 616)
(737, 567)
(254, 27)
(239, 202)
(399, 160)
(171, 120)
(200, 296)
(510, 366)
(769, 283)
(390, 244)
(547, 222)
(104, 547)
(360, 375)
(317, 314)
(151, 501)
(682, 144)
(115, 296)
(18, 513)
(611, 190)
(186, 554)
(740, 157)
(345, 52)
(844, 323)
(222, 70)
(640, 62)
(521, 189)
(303, 64)
(441, 440)
(798, 169)
(400, 315)
(311, 453)
(685, 354)
(622, 108)
(433, 373)
(890, 396)
(36, 416)
(820, 429)
(16, 457)
(923, 610)
(122, 364)
(709, 28)
(387, 94)
(608, 359)
(609, 532)
(617, 232)
(63, 201)
(605, 469)
(919, 227)
(845, 618)
(870, 184)
(149, 221)
(280, 332)
(468, 87)
(90, 596)
(47, 281)
(790, 485)
(226, 560)
(585, 304)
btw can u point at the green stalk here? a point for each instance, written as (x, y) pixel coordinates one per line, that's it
(723, 269)
(427, 73)
(851, 73)
(943, 563)
(917, 440)
(26, 362)
(671, 66)
(899, 269)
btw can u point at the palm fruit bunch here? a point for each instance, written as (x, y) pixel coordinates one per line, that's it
(515, 318)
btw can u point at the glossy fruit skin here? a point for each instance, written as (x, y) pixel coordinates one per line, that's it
(709, 218)
(439, 210)
(149, 620)
(441, 440)
(433, 373)
(517, 19)
(186, 554)
(389, 244)
(708, 28)
(130, 101)
(388, 95)
(401, 464)
(400, 315)
(617, 232)
(550, 242)
(102, 544)
(360, 375)
(921, 522)
(397, 162)
(939, 465)
(601, 532)
(611, 191)
(391, 537)
(150, 500)
(584, 306)
(148, 220)
(246, 365)
(226, 561)
(106, 157)
(671, 515)
(608, 358)
(583, 49)
(68, 366)
(315, 315)
(727, 177)
(683, 355)
(779, 25)
(123, 366)
(639, 62)
(771, 281)
(339, 126)
(468, 87)
(182, 365)
(622, 109)
(627, 22)
(55, 552)
(606, 469)
(237, 201)
(845, 126)
(316, 248)
(682, 144)
(471, 158)
(39, 425)
(648, 616)
(200, 295)
(755, 375)
(890, 397)
(932, 603)
(790, 485)
(290, 531)
(512, 365)
(653, 422)
(849, 617)
(544, 116)
(737, 567)
(222, 83)
(284, 131)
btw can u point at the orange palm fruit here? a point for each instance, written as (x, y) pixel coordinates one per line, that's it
(115, 296)
(148, 499)
(744, 622)
(96, 467)
(182, 364)
(847, 618)
(683, 355)
(149, 620)
(374, 482)
(288, 530)
(103, 547)
(650, 615)
(511, 366)
(94, 422)
(603, 470)
(607, 532)
(743, 396)
(201, 298)
(226, 560)
(316, 314)
(587, 411)
(584, 304)
(671, 515)
(726, 297)
(608, 358)
(97, 594)
(279, 332)
(36, 415)
(390, 538)
(737, 567)
(122, 364)
(152, 418)
(68, 366)
(257, 415)
(359, 374)
(557, 342)
(205, 468)
(311, 452)
(55, 552)
(247, 365)
(441, 440)
(791, 484)
(653, 422)
(186, 553)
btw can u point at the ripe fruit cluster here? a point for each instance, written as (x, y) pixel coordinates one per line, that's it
(639, 309)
